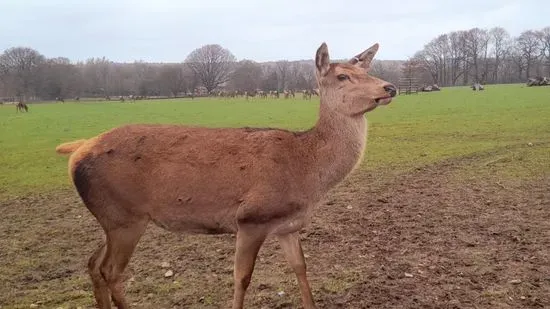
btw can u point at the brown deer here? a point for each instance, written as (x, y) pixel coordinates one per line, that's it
(20, 106)
(306, 94)
(248, 181)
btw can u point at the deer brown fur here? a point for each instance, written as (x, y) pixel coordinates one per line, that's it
(248, 181)
(20, 106)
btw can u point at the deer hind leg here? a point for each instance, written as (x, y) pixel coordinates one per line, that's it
(292, 248)
(249, 241)
(121, 242)
(101, 291)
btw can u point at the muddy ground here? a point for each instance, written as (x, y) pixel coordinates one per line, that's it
(428, 238)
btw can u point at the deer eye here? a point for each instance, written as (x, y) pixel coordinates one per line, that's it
(342, 77)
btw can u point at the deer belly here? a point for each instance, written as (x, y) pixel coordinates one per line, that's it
(196, 220)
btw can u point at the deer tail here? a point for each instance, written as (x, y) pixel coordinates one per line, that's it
(70, 147)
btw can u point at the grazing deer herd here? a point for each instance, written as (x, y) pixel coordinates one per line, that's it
(252, 182)
(274, 94)
(538, 81)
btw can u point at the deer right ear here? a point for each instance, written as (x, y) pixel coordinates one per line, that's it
(322, 61)
(365, 58)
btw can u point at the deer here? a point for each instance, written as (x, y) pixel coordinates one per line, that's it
(251, 182)
(20, 106)
(306, 94)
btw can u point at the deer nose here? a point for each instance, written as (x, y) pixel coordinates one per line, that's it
(391, 90)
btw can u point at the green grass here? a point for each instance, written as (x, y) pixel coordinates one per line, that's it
(412, 131)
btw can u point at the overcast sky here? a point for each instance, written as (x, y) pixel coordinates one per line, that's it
(261, 30)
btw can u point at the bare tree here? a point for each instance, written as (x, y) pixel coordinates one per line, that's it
(270, 82)
(98, 73)
(499, 37)
(212, 64)
(61, 79)
(387, 70)
(20, 69)
(283, 72)
(309, 76)
(435, 58)
(477, 41)
(485, 56)
(192, 78)
(247, 76)
(171, 79)
(442, 48)
(144, 79)
(296, 78)
(428, 62)
(545, 47)
(529, 46)
(457, 53)
(121, 78)
(305, 76)
(519, 61)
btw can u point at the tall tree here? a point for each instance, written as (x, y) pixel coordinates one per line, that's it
(247, 76)
(172, 79)
(477, 41)
(20, 68)
(529, 45)
(60, 79)
(428, 62)
(519, 61)
(309, 76)
(499, 37)
(545, 47)
(98, 73)
(212, 64)
(283, 72)
(270, 81)
(457, 53)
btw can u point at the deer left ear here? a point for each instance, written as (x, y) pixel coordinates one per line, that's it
(365, 58)
(322, 60)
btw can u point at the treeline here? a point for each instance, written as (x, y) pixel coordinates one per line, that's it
(27, 75)
(455, 58)
(481, 55)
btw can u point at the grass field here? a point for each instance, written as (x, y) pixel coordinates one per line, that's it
(454, 191)
(412, 131)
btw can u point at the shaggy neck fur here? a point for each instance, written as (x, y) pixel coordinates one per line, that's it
(339, 142)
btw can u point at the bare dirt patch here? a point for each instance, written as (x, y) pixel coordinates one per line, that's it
(425, 239)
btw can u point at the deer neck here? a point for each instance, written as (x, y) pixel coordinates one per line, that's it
(339, 143)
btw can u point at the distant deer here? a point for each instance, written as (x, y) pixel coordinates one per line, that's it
(20, 106)
(274, 94)
(250, 94)
(251, 182)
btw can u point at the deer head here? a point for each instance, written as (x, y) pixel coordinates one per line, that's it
(348, 86)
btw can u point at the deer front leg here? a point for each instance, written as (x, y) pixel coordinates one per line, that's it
(292, 248)
(249, 241)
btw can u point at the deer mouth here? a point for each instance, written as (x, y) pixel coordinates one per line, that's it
(383, 100)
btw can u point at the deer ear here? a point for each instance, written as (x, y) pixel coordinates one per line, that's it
(322, 61)
(365, 58)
